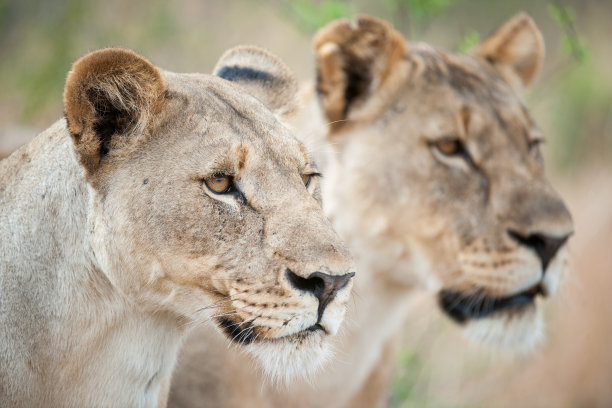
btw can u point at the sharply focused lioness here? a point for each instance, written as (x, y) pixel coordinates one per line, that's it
(162, 201)
(436, 182)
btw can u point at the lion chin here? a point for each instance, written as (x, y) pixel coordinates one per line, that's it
(508, 325)
(300, 355)
(516, 333)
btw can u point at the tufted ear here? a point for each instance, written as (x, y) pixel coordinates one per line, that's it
(262, 75)
(356, 61)
(516, 50)
(110, 100)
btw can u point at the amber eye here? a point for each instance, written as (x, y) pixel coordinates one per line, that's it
(448, 146)
(219, 184)
(533, 145)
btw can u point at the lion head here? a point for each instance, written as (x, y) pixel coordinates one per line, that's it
(205, 206)
(437, 176)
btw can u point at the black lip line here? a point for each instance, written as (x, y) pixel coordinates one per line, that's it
(461, 307)
(315, 327)
(243, 333)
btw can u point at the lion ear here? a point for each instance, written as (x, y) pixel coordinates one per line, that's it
(516, 50)
(262, 75)
(111, 97)
(355, 62)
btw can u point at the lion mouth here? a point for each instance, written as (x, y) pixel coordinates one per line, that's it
(240, 333)
(461, 307)
(246, 333)
(315, 327)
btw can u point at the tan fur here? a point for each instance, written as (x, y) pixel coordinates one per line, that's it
(372, 393)
(113, 247)
(414, 218)
(366, 53)
(516, 50)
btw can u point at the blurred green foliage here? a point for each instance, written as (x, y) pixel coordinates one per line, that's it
(310, 15)
(419, 9)
(38, 76)
(409, 368)
(469, 41)
(48, 33)
(564, 16)
(584, 112)
(407, 389)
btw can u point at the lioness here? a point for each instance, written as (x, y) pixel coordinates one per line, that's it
(159, 202)
(436, 182)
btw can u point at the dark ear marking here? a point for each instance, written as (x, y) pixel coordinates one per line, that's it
(236, 73)
(358, 80)
(261, 74)
(106, 123)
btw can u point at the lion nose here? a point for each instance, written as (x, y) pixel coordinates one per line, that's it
(546, 247)
(323, 286)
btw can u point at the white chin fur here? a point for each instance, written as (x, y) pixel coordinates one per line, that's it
(282, 361)
(508, 333)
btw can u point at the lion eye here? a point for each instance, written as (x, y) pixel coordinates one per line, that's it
(307, 178)
(533, 145)
(219, 184)
(448, 147)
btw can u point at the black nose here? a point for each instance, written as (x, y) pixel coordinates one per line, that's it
(323, 286)
(545, 247)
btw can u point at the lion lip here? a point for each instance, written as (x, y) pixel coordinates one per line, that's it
(244, 332)
(316, 327)
(461, 307)
(305, 332)
(302, 334)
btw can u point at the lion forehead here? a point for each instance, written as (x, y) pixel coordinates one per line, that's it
(219, 116)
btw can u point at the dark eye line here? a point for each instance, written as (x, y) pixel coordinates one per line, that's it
(461, 150)
(465, 154)
(232, 189)
(311, 176)
(535, 143)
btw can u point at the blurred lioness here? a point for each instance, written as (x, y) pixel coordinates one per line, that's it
(436, 181)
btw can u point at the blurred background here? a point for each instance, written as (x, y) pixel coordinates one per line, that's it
(572, 103)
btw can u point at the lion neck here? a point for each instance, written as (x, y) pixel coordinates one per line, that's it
(84, 334)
